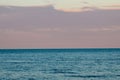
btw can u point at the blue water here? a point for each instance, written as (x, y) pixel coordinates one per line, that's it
(60, 64)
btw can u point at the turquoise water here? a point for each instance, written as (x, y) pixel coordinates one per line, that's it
(60, 64)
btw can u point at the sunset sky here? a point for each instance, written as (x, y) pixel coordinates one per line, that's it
(59, 23)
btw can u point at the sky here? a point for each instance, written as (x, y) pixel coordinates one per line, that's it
(59, 24)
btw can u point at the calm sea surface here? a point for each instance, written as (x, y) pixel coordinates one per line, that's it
(59, 64)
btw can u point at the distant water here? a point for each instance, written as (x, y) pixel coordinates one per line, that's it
(60, 64)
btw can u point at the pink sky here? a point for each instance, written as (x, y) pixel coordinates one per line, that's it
(46, 27)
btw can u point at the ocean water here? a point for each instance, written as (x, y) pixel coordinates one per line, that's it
(60, 64)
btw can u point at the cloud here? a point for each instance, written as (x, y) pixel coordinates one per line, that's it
(35, 17)
(48, 30)
(47, 27)
(112, 7)
(78, 5)
(102, 29)
(82, 9)
(65, 5)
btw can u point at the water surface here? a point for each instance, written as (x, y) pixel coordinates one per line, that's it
(60, 64)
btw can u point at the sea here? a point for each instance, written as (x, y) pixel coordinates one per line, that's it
(60, 64)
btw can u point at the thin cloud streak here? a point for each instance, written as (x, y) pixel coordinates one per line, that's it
(106, 29)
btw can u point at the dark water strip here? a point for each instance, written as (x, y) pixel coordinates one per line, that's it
(60, 50)
(92, 76)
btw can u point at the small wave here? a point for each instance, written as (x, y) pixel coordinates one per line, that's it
(59, 71)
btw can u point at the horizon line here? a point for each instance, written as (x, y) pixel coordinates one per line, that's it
(55, 48)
